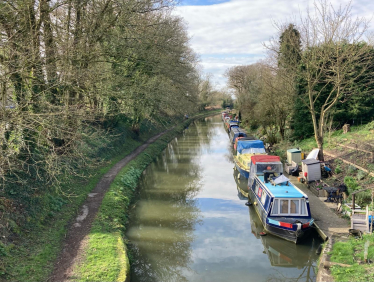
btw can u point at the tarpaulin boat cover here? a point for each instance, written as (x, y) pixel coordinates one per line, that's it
(264, 159)
(250, 146)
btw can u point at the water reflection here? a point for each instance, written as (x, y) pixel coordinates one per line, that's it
(190, 222)
(286, 254)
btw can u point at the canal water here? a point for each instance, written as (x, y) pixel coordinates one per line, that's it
(190, 223)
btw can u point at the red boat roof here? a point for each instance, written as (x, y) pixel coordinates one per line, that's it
(264, 159)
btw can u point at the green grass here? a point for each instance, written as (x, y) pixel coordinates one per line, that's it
(31, 258)
(104, 259)
(352, 252)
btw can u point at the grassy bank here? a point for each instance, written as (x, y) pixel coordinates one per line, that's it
(106, 257)
(352, 253)
(106, 254)
(30, 252)
(34, 225)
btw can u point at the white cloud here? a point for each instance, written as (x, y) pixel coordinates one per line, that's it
(233, 33)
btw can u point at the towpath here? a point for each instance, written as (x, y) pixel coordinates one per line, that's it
(327, 220)
(77, 236)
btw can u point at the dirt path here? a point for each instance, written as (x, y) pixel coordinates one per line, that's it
(76, 238)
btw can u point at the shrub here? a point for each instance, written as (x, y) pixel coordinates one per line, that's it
(363, 198)
(351, 184)
(370, 126)
(361, 175)
(338, 169)
(351, 169)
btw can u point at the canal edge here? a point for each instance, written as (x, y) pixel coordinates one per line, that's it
(323, 274)
(76, 243)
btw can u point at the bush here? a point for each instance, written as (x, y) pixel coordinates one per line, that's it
(338, 169)
(351, 184)
(361, 175)
(363, 198)
(370, 126)
(351, 169)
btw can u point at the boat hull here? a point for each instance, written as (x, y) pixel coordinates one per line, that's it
(243, 172)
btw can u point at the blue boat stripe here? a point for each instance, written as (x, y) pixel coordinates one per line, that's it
(273, 221)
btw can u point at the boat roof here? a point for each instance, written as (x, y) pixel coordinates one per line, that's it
(265, 159)
(246, 157)
(238, 130)
(282, 190)
(248, 144)
(246, 138)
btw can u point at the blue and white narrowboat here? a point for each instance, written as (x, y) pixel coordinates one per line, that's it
(282, 208)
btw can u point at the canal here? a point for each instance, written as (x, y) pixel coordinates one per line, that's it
(190, 223)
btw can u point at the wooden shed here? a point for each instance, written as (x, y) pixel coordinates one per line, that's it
(311, 170)
(293, 155)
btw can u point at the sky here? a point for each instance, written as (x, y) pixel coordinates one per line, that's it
(227, 33)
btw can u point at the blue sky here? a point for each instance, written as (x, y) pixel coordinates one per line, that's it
(226, 33)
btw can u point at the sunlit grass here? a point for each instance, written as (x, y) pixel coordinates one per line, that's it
(352, 252)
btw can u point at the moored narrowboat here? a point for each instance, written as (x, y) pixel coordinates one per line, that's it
(235, 133)
(245, 150)
(282, 208)
(242, 139)
(232, 124)
(224, 115)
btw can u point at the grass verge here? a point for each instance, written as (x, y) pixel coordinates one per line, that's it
(31, 256)
(104, 258)
(39, 223)
(352, 253)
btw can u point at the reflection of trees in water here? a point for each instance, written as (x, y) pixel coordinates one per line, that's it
(165, 217)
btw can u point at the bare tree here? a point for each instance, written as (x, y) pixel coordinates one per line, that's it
(335, 57)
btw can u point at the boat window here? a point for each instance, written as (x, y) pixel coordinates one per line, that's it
(283, 206)
(263, 198)
(257, 186)
(275, 207)
(276, 167)
(290, 207)
(294, 208)
(303, 208)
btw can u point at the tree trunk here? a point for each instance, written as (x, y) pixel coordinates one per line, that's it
(320, 153)
(50, 53)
